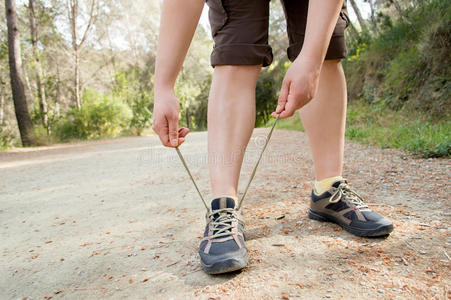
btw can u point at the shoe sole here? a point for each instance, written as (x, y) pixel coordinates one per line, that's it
(382, 230)
(226, 265)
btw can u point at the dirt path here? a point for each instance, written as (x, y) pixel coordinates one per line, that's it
(120, 219)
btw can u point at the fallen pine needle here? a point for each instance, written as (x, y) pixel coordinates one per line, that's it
(172, 264)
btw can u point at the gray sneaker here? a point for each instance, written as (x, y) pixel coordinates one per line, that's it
(222, 249)
(342, 205)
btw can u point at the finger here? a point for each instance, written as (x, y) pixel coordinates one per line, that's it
(164, 138)
(173, 132)
(162, 132)
(283, 96)
(181, 140)
(183, 132)
(289, 109)
(285, 114)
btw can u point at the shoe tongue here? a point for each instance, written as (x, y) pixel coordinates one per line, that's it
(222, 202)
(337, 183)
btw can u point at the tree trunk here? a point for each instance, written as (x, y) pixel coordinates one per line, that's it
(113, 59)
(398, 9)
(77, 79)
(373, 17)
(28, 90)
(359, 15)
(72, 8)
(58, 91)
(38, 68)
(188, 117)
(26, 129)
(2, 108)
(73, 15)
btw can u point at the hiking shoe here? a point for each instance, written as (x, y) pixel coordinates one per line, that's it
(344, 206)
(222, 249)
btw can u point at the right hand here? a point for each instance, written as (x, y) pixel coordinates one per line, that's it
(165, 119)
(299, 86)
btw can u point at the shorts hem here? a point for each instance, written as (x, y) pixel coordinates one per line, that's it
(241, 54)
(337, 49)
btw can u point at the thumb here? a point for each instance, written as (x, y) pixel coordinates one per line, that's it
(283, 96)
(173, 131)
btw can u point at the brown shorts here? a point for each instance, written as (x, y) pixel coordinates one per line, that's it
(240, 31)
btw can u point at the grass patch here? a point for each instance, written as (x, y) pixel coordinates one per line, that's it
(376, 124)
(293, 123)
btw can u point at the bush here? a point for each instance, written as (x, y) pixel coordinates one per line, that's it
(267, 91)
(133, 87)
(7, 138)
(141, 115)
(440, 150)
(266, 99)
(377, 124)
(100, 116)
(408, 64)
(200, 105)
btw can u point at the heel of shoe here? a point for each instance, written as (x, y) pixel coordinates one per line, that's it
(314, 216)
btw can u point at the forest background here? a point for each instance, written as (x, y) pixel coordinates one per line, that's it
(83, 69)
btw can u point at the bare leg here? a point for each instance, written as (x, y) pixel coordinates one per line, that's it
(324, 120)
(231, 119)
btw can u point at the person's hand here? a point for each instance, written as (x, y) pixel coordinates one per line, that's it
(299, 86)
(165, 119)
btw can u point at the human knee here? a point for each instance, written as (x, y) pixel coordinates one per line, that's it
(238, 72)
(332, 67)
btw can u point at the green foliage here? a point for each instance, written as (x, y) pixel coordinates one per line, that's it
(402, 76)
(3, 49)
(408, 63)
(293, 123)
(266, 98)
(440, 150)
(131, 89)
(7, 138)
(401, 72)
(267, 90)
(187, 90)
(193, 84)
(377, 124)
(200, 106)
(141, 115)
(100, 116)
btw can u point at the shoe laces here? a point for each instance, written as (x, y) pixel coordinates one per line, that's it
(345, 193)
(224, 222)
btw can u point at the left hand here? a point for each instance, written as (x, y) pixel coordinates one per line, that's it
(299, 86)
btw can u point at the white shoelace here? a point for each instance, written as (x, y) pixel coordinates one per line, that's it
(345, 192)
(223, 224)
